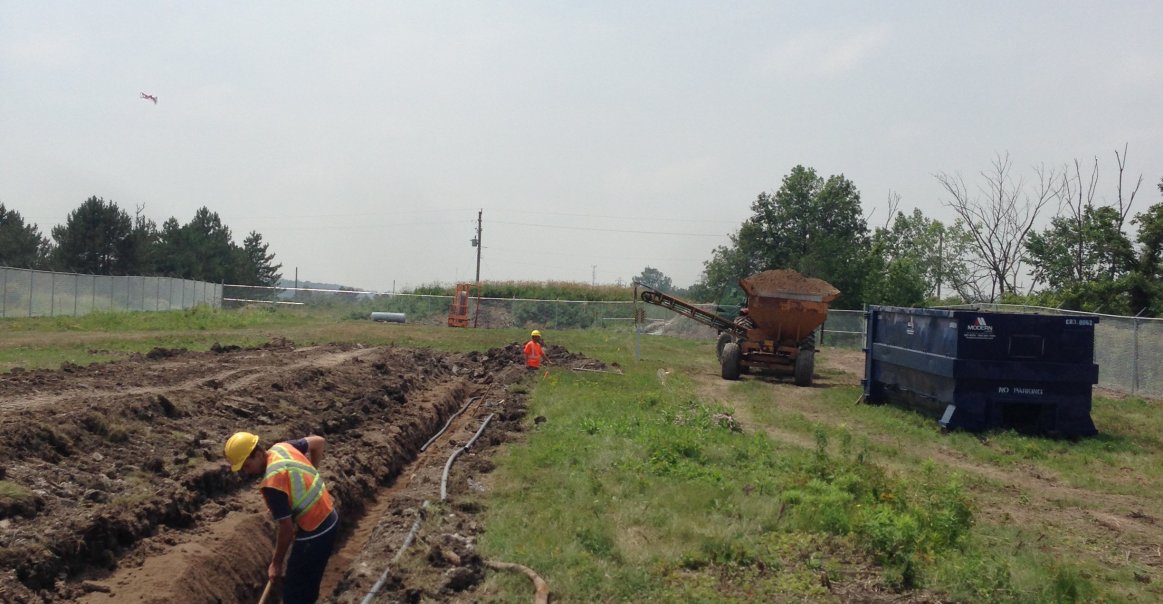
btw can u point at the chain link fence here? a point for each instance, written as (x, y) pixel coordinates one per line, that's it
(843, 327)
(1128, 350)
(29, 293)
(432, 309)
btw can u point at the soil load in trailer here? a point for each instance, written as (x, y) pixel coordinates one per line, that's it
(983, 370)
(785, 305)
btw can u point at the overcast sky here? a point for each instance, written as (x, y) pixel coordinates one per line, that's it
(598, 138)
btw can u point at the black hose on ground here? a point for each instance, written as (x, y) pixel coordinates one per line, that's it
(448, 464)
(448, 423)
(407, 543)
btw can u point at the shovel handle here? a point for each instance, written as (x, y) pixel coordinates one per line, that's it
(265, 592)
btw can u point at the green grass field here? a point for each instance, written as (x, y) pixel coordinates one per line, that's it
(643, 487)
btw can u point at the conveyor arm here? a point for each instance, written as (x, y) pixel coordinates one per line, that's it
(688, 310)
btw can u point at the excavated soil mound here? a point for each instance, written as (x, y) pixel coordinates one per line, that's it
(113, 486)
(772, 283)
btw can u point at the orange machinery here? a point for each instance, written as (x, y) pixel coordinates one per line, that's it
(458, 313)
(786, 308)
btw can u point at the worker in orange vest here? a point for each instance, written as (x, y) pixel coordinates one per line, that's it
(300, 504)
(535, 352)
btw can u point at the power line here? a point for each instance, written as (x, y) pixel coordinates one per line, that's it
(632, 232)
(621, 217)
(587, 255)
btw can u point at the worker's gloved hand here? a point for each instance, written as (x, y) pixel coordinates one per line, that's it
(274, 572)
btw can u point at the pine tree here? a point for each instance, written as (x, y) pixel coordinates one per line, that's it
(21, 245)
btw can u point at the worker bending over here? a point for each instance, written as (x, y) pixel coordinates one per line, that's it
(300, 504)
(535, 352)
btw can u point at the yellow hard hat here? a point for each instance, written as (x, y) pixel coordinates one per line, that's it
(535, 333)
(238, 448)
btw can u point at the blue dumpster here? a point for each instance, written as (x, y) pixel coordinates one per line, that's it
(982, 370)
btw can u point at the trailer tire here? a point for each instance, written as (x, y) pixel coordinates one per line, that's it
(730, 361)
(724, 338)
(805, 365)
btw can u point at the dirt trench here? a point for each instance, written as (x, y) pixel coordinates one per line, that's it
(113, 487)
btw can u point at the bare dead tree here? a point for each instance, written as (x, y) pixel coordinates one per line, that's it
(1077, 200)
(963, 269)
(894, 204)
(1077, 197)
(999, 217)
(1125, 207)
(894, 201)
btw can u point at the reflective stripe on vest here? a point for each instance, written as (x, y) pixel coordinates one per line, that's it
(291, 472)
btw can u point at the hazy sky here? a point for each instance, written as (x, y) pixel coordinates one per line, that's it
(361, 138)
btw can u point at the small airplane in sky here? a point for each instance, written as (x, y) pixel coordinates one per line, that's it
(149, 97)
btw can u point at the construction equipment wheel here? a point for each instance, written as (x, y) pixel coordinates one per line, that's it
(805, 365)
(722, 341)
(730, 361)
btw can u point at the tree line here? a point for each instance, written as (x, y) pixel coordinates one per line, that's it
(101, 238)
(992, 251)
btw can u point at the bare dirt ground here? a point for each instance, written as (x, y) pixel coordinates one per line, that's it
(1119, 530)
(115, 489)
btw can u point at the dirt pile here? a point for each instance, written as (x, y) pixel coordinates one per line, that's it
(113, 486)
(773, 283)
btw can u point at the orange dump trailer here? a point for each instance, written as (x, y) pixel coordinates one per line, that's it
(785, 309)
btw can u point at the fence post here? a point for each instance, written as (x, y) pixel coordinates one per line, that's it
(639, 317)
(4, 296)
(1135, 357)
(76, 292)
(31, 282)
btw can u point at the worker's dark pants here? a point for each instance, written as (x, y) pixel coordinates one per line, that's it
(306, 566)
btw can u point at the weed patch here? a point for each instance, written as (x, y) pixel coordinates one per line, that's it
(628, 475)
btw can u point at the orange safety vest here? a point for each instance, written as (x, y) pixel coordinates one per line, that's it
(533, 354)
(291, 472)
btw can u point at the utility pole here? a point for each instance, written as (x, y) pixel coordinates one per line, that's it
(477, 243)
(594, 275)
(940, 261)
